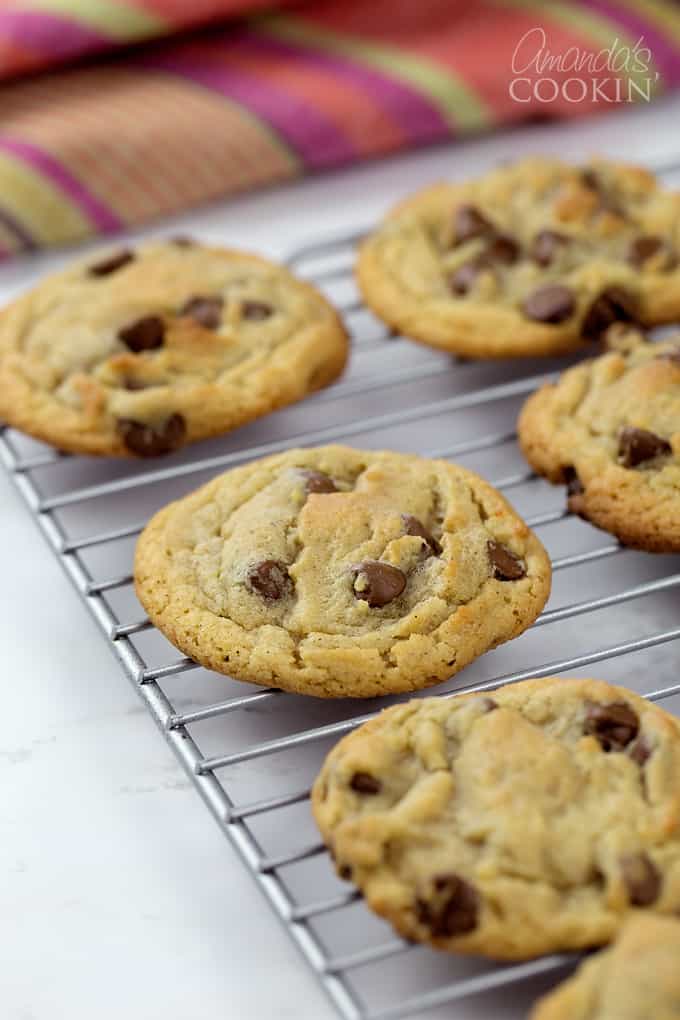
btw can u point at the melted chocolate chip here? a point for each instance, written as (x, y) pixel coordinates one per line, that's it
(183, 242)
(640, 751)
(489, 705)
(546, 245)
(462, 280)
(111, 264)
(206, 311)
(412, 526)
(638, 445)
(255, 311)
(505, 566)
(613, 305)
(364, 782)
(642, 879)
(642, 248)
(551, 304)
(614, 725)
(152, 440)
(270, 580)
(503, 248)
(575, 491)
(377, 583)
(317, 481)
(469, 222)
(143, 335)
(452, 909)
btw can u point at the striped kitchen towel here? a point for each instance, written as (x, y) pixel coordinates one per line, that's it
(98, 146)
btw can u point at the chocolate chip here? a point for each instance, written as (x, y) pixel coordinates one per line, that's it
(640, 751)
(469, 222)
(642, 248)
(673, 355)
(505, 565)
(452, 909)
(613, 305)
(317, 481)
(412, 526)
(545, 246)
(589, 178)
(134, 385)
(462, 280)
(111, 264)
(503, 248)
(607, 202)
(183, 242)
(638, 445)
(364, 782)
(642, 879)
(255, 310)
(206, 311)
(488, 704)
(377, 583)
(552, 303)
(143, 335)
(614, 725)
(345, 871)
(575, 491)
(270, 580)
(152, 440)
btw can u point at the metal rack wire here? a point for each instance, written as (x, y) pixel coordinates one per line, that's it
(224, 734)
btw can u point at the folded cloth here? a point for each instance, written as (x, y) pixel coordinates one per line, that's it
(35, 34)
(95, 148)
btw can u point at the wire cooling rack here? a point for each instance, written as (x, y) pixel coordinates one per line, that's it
(252, 753)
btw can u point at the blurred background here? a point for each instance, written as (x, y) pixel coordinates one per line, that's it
(113, 114)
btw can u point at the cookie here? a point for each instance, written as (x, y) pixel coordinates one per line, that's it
(535, 258)
(637, 979)
(610, 430)
(339, 572)
(142, 351)
(522, 822)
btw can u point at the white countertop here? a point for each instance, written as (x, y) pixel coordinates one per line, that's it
(111, 907)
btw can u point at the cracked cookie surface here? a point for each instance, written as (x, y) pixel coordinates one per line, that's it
(638, 978)
(525, 821)
(139, 352)
(339, 572)
(535, 258)
(610, 430)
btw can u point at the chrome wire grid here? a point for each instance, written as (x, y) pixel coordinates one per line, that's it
(252, 753)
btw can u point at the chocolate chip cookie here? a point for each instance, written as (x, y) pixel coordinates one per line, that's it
(535, 258)
(637, 979)
(339, 572)
(609, 430)
(142, 351)
(512, 824)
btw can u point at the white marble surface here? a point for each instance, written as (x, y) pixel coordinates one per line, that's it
(118, 894)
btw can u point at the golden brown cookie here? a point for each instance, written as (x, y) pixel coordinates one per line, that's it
(339, 572)
(512, 824)
(534, 258)
(145, 350)
(610, 430)
(637, 979)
